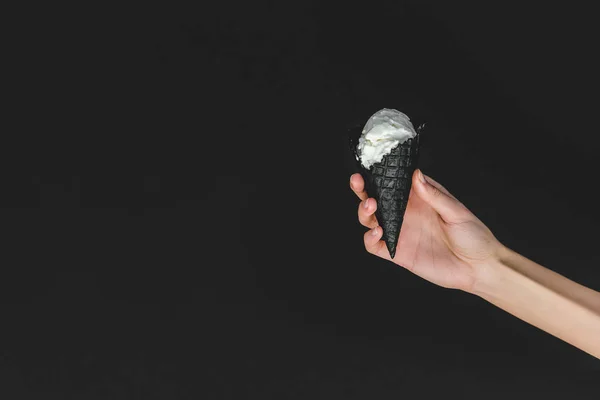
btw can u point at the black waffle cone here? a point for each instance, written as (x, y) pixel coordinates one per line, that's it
(389, 183)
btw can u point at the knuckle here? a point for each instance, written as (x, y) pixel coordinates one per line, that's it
(435, 192)
(368, 247)
(461, 217)
(463, 210)
(364, 221)
(464, 214)
(360, 215)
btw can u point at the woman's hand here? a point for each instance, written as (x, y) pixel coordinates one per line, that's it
(440, 240)
(443, 242)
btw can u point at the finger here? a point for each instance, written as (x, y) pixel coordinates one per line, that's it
(366, 213)
(357, 184)
(450, 209)
(438, 185)
(374, 244)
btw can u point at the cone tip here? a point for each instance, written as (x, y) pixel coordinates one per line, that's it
(391, 249)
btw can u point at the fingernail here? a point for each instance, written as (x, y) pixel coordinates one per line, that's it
(422, 177)
(374, 231)
(351, 185)
(366, 204)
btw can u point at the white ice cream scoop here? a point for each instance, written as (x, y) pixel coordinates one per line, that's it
(385, 130)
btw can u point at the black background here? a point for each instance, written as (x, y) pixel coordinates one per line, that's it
(203, 242)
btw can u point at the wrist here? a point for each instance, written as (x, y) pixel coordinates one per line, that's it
(491, 272)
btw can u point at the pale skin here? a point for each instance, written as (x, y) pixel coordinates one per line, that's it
(443, 242)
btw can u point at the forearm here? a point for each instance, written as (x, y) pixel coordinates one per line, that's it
(542, 298)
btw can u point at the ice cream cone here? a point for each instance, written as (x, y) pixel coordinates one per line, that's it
(389, 183)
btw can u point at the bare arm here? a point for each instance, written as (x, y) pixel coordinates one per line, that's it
(443, 242)
(542, 298)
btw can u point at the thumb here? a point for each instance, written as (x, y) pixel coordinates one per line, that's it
(450, 209)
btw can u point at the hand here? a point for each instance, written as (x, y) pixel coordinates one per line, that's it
(440, 239)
